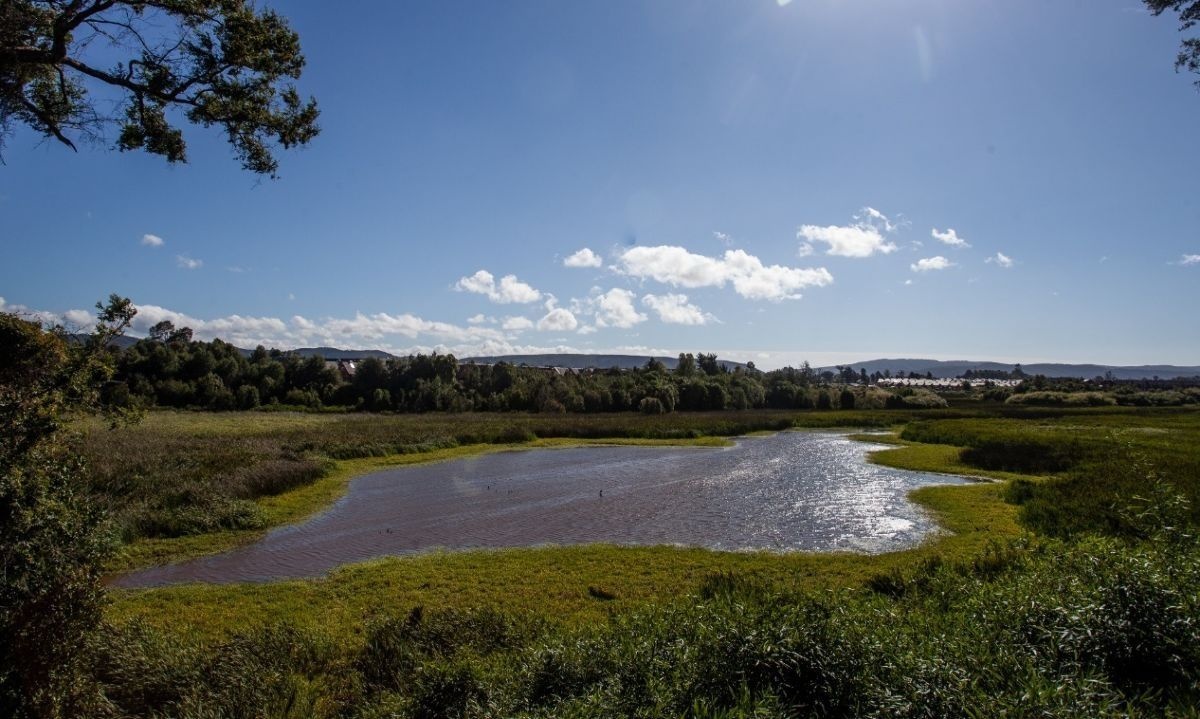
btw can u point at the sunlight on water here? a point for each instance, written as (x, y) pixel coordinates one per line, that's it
(791, 491)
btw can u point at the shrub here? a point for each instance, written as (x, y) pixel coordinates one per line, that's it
(650, 405)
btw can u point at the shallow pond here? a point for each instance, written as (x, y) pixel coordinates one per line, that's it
(789, 491)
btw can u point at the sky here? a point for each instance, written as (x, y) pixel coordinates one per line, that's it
(822, 180)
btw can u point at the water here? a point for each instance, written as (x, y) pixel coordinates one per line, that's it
(790, 491)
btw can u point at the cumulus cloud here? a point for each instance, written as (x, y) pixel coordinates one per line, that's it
(188, 263)
(558, 320)
(74, 319)
(1189, 260)
(583, 258)
(480, 319)
(509, 290)
(750, 278)
(930, 264)
(863, 237)
(516, 323)
(79, 318)
(149, 240)
(675, 309)
(615, 309)
(949, 237)
(1001, 260)
(399, 334)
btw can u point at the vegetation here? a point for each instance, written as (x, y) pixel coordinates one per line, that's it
(217, 62)
(1067, 589)
(1094, 629)
(1189, 14)
(1099, 623)
(51, 538)
(169, 369)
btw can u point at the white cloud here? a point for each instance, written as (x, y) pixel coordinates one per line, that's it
(675, 309)
(615, 309)
(751, 279)
(304, 325)
(1189, 260)
(516, 323)
(930, 264)
(1001, 260)
(875, 218)
(583, 258)
(754, 281)
(723, 238)
(188, 263)
(149, 240)
(864, 237)
(480, 319)
(558, 320)
(949, 237)
(72, 319)
(80, 318)
(400, 334)
(508, 290)
(805, 250)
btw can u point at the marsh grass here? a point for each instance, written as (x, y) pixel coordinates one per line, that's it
(1097, 465)
(1098, 628)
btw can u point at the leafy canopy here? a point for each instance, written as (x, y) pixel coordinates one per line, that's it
(1189, 14)
(52, 540)
(216, 62)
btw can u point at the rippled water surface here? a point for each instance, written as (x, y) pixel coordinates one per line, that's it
(789, 491)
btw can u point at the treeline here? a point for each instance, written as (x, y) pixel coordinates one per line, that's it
(169, 369)
(1100, 392)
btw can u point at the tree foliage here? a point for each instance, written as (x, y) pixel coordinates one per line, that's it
(1189, 14)
(218, 63)
(51, 543)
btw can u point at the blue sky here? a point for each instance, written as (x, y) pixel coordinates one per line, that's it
(783, 168)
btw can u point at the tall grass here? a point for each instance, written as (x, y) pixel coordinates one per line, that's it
(1100, 628)
(1102, 464)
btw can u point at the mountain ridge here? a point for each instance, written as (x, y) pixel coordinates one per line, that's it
(941, 369)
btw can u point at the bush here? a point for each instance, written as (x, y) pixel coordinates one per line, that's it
(1062, 399)
(650, 405)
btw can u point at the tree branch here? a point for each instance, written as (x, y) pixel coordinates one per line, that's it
(51, 126)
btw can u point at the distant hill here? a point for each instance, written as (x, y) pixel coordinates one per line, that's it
(938, 368)
(333, 353)
(955, 368)
(584, 361)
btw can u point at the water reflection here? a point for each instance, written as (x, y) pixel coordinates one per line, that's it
(790, 491)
